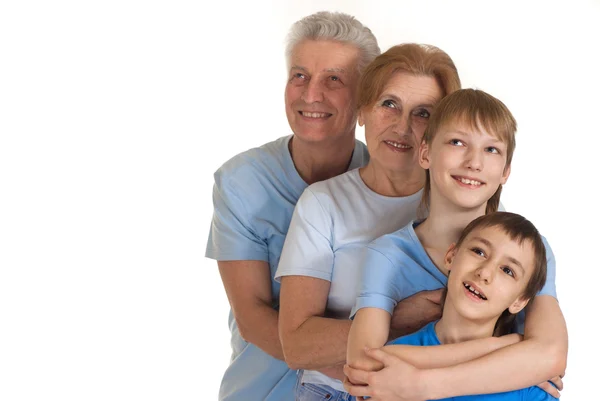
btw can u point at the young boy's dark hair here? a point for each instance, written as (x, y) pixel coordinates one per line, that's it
(519, 229)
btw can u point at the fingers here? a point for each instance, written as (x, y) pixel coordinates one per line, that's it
(550, 389)
(379, 355)
(355, 375)
(354, 389)
(435, 296)
(558, 383)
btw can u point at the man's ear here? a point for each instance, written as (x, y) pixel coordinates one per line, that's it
(505, 175)
(518, 305)
(424, 155)
(361, 120)
(450, 254)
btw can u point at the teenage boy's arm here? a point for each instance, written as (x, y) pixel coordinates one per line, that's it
(248, 287)
(540, 356)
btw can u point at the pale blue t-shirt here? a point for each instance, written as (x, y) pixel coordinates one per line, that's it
(333, 223)
(427, 336)
(397, 266)
(254, 197)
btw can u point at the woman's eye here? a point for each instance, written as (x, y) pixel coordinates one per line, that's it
(389, 103)
(508, 271)
(456, 142)
(478, 252)
(492, 149)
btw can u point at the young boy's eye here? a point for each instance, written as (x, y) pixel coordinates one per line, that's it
(456, 142)
(492, 149)
(477, 251)
(508, 271)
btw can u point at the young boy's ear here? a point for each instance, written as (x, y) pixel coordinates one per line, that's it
(424, 155)
(518, 305)
(450, 254)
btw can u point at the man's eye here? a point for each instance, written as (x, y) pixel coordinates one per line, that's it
(508, 271)
(334, 78)
(423, 113)
(299, 75)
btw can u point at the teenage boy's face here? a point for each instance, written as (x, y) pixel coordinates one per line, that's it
(489, 273)
(466, 165)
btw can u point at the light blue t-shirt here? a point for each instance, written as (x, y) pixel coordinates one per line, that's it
(254, 197)
(427, 336)
(397, 266)
(332, 224)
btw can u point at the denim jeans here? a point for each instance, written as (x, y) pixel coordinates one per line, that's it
(319, 392)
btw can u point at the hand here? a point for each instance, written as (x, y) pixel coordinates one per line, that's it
(553, 390)
(397, 381)
(416, 311)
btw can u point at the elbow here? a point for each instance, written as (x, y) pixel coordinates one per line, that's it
(558, 361)
(294, 357)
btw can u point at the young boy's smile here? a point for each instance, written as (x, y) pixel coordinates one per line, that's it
(488, 274)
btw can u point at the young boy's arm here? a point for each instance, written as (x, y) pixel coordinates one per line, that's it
(369, 329)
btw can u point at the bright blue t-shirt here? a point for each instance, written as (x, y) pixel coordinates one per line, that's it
(427, 336)
(254, 198)
(397, 266)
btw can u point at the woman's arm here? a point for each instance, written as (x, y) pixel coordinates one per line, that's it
(309, 339)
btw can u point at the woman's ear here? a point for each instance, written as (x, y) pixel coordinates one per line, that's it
(505, 175)
(518, 305)
(424, 155)
(449, 258)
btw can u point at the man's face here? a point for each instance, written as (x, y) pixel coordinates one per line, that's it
(321, 88)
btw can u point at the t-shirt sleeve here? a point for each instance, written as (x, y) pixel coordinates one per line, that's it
(308, 249)
(535, 393)
(231, 234)
(377, 288)
(550, 286)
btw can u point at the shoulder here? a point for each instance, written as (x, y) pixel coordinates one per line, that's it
(400, 240)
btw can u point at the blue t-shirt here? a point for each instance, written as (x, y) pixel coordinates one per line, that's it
(427, 336)
(254, 197)
(397, 266)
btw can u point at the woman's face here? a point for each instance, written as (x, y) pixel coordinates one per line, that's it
(395, 123)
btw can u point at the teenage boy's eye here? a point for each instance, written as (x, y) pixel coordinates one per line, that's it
(508, 271)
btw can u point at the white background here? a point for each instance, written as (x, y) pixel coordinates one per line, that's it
(115, 114)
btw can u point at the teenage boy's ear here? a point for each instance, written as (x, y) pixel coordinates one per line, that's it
(424, 155)
(449, 258)
(518, 305)
(505, 175)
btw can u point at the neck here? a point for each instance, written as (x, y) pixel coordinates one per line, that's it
(444, 224)
(454, 328)
(321, 161)
(392, 183)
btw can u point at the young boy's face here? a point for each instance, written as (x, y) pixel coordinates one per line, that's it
(488, 274)
(466, 166)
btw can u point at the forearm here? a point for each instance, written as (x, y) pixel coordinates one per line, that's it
(259, 327)
(430, 357)
(317, 343)
(369, 330)
(540, 357)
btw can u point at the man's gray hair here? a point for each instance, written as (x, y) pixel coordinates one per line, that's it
(340, 27)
